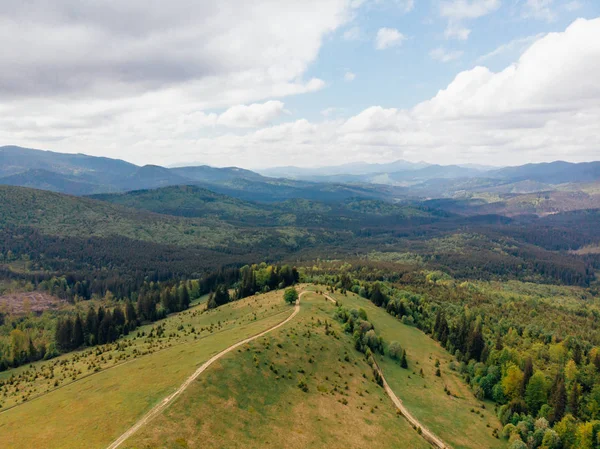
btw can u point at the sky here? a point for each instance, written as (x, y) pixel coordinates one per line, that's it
(267, 83)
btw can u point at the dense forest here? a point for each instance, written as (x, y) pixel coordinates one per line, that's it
(542, 373)
(514, 299)
(25, 339)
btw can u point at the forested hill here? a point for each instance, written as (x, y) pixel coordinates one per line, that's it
(138, 233)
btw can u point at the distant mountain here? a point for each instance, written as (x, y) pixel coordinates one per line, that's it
(434, 172)
(54, 182)
(151, 176)
(99, 170)
(558, 172)
(355, 168)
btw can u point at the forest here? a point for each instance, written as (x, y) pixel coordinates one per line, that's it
(542, 374)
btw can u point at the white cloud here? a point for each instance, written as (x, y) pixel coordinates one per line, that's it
(539, 9)
(405, 6)
(467, 9)
(459, 32)
(352, 34)
(457, 11)
(349, 76)
(573, 5)
(203, 51)
(544, 106)
(388, 37)
(328, 112)
(515, 46)
(251, 116)
(443, 55)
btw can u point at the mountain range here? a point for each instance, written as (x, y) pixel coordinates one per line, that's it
(469, 185)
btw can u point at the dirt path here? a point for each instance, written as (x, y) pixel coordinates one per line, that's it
(429, 436)
(157, 409)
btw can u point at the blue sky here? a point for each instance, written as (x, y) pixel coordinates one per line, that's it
(318, 82)
(402, 76)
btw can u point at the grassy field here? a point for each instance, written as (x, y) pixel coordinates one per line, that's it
(252, 397)
(458, 418)
(88, 408)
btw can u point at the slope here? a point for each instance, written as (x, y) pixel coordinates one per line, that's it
(303, 385)
(444, 404)
(87, 399)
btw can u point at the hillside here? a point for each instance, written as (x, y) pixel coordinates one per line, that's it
(82, 175)
(307, 366)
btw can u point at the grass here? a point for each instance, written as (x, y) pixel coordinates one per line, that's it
(252, 398)
(458, 418)
(96, 407)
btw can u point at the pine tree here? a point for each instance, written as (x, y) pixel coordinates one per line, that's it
(527, 373)
(377, 297)
(558, 400)
(90, 331)
(476, 344)
(403, 361)
(184, 297)
(77, 337)
(130, 315)
(574, 399)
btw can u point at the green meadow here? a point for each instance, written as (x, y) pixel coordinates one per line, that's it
(303, 385)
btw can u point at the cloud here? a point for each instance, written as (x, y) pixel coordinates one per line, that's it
(573, 5)
(352, 34)
(515, 46)
(349, 76)
(388, 37)
(405, 6)
(328, 112)
(467, 9)
(544, 106)
(457, 11)
(251, 116)
(454, 31)
(443, 55)
(539, 9)
(199, 50)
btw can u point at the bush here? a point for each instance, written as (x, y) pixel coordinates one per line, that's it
(302, 385)
(290, 295)
(395, 350)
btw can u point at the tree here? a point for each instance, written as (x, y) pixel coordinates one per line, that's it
(377, 297)
(77, 339)
(476, 343)
(64, 331)
(527, 373)
(290, 295)
(512, 382)
(184, 297)
(536, 393)
(566, 429)
(219, 297)
(403, 361)
(395, 350)
(574, 399)
(558, 400)
(131, 315)
(91, 327)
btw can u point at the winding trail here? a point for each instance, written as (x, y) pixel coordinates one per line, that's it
(158, 408)
(429, 436)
